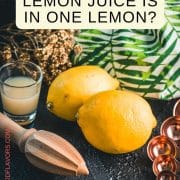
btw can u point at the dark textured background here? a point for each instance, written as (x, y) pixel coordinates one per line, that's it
(7, 11)
(132, 166)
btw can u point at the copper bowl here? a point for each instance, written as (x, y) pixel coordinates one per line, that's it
(166, 175)
(171, 129)
(164, 163)
(160, 145)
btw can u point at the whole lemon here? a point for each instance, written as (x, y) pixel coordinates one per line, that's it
(73, 87)
(116, 121)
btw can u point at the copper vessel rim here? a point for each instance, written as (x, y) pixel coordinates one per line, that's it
(167, 122)
(154, 141)
(175, 106)
(170, 173)
(161, 158)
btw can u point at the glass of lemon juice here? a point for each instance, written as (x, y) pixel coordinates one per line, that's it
(20, 84)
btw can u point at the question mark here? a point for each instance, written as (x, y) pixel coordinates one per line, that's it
(153, 15)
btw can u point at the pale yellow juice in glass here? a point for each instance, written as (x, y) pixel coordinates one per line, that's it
(19, 97)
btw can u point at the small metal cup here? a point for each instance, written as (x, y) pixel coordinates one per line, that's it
(166, 175)
(161, 145)
(165, 163)
(171, 129)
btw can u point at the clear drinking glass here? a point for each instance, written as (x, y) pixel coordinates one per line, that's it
(20, 84)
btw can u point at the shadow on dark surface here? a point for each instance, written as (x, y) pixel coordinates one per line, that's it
(132, 166)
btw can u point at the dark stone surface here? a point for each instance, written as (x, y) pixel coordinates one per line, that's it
(132, 166)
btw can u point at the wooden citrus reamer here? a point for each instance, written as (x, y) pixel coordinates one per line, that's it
(45, 150)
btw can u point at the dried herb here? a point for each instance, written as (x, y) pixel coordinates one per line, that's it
(52, 50)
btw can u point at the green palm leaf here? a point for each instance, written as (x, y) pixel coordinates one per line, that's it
(144, 61)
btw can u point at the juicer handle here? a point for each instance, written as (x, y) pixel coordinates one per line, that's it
(18, 134)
